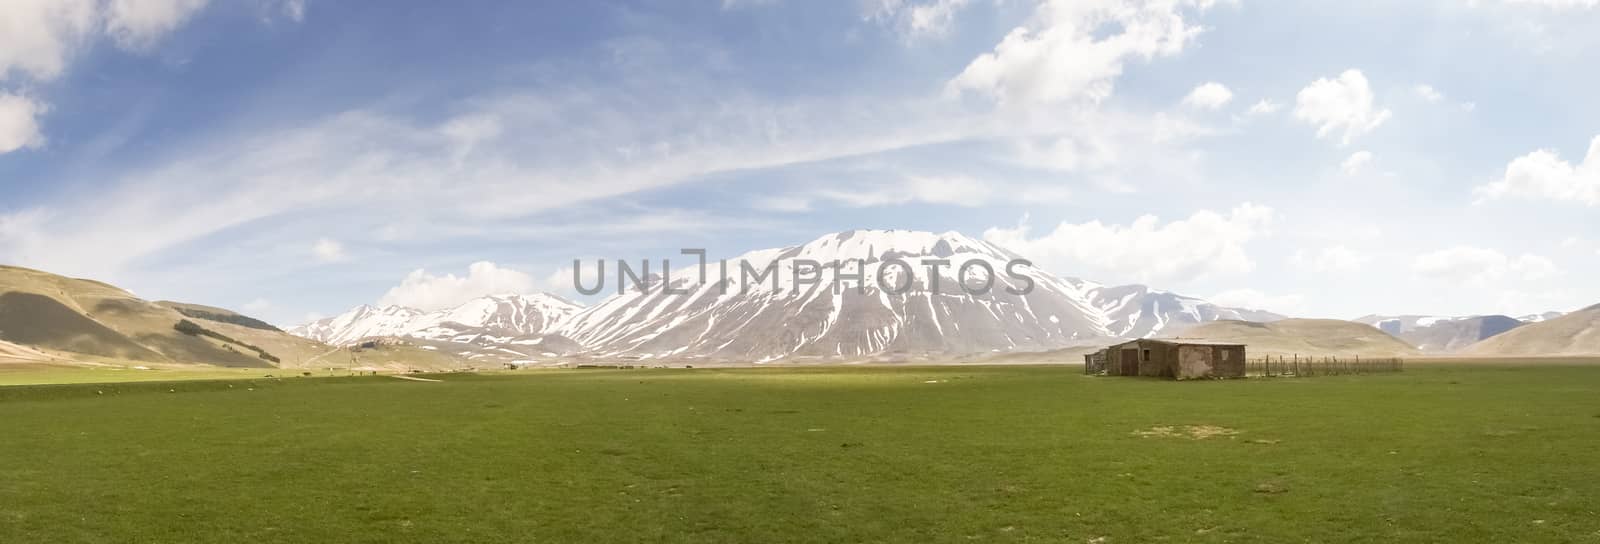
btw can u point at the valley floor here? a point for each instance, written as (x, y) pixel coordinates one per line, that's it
(1440, 453)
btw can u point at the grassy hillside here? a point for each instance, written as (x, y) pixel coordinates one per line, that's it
(1313, 337)
(1577, 333)
(821, 454)
(82, 319)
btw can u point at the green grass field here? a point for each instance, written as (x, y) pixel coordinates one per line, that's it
(1440, 453)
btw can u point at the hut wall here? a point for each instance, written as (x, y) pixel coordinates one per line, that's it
(1229, 362)
(1159, 362)
(1195, 362)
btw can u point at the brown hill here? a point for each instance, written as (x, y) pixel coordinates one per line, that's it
(1577, 333)
(1305, 337)
(93, 320)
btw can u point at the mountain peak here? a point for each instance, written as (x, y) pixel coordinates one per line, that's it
(507, 313)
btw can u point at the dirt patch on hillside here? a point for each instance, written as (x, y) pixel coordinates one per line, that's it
(1192, 432)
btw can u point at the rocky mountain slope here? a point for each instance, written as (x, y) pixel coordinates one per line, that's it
(1576, 333)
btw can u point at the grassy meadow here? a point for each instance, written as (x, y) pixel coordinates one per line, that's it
(1439, 453)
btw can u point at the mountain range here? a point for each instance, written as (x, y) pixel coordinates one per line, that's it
(892, 310)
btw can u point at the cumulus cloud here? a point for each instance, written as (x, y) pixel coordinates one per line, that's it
(327, 250)
(1329, 259)
(1543, 174)
(1357, 161)
(38, 39)
(1208, 96)
(1343, 104)
(1205, 244)
(1251, 299)
(38, 36)
(19, 123)
(1072, 51)
(424, 291)
(1481, 267)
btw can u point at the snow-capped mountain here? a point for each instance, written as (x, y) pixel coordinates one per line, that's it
(1136, 311)
(503, 318)
(1445, 334)
(894, 311)
(778, 303)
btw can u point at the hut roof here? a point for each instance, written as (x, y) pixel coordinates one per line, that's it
(1183, 342)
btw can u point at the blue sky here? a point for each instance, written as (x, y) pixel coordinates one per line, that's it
(293, 158)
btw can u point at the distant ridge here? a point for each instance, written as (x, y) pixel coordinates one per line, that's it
(1577, 333)
(1305, 337)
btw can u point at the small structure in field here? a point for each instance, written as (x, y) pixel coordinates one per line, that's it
(1176, 359)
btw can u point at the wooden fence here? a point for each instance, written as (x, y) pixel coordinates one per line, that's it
(1300, 365)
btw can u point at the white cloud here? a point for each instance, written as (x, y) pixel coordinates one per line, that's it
(783, 203)
(1072, 51)
(1543, 174)
(19, 122)
(295, 10)
(1205, 244)
(428, 292)
(256, 305)
(1208, 96)
(389, 163)
(1251, 299)
(951, 190)
(327, 250)
(933, 19)
(38, 36)
(915, 19)
(1357, 161)
(1480, 267)
(138, 24)
(1330, 259)
(559, 282)
(1265, 107)
(38, 39)
(1428, 93)
(1341, 104)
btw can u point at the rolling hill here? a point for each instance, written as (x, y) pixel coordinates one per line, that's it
(52, 317)
(1577, 333)
(1305, 337)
